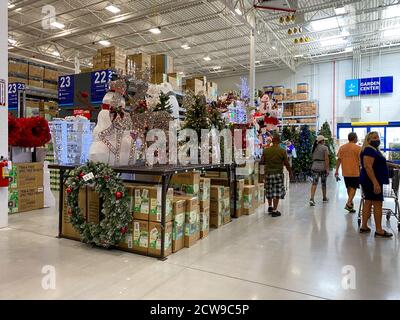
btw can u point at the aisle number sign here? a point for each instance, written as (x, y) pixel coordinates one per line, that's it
(66, 90)
(95, 82)
(13, 89)
(368, 86)
(99, 84)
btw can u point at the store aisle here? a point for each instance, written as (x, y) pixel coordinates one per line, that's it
(298, 256)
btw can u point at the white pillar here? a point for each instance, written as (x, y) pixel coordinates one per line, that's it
(3, 110)
(252, 75)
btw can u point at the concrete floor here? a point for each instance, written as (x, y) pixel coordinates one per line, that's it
(298, 256)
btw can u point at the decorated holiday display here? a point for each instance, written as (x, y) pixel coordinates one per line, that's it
(327, 133)
(302, 164)
(71, 138)
(28, 132)
(114, 215)
(197, 116)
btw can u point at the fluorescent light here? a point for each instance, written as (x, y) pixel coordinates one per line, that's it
(185, 46)
(340, 10)
(207, 58)
(345, 33)
(105, 43)
(55, 53)
(217, 68)
(181, 73)
(11, 5)
(299, 56)
(390, 33)
(155, 30)
(391, 12)
(348, 49)
(257, 62)
(273, 47)
(238, 11)
(57, 25)
(12, 41)
(324, 24)
(332, 41)
(113, 9)
(18, 9)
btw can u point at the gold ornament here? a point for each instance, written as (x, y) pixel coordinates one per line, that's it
(307, 39)
(296, 41)
(301, 40)
(293, 17)
(282, 20)
(294, 30)
(289, 32)
(288, 19)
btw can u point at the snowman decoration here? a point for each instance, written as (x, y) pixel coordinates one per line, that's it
(112, 141)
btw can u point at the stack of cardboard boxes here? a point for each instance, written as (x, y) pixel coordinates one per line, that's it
(18, 71)
(195, 85)
(110, 58)
(204, 198)
(161, 65)
(26, 187)
(35, 75)
(137, 63)
(50, 79)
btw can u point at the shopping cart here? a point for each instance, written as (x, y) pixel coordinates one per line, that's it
(390, 191)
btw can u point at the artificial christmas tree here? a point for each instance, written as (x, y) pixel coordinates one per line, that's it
(327, 133)
(302, 164)
(197, 116)
(164, 104)
(217, 121)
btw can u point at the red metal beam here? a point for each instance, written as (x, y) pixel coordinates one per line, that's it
(274, 8)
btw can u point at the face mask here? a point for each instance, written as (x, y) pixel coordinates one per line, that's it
(375, 143)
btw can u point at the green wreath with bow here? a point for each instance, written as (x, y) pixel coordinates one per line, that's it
(114, 215)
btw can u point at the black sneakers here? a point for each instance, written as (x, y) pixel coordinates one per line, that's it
(276, 214)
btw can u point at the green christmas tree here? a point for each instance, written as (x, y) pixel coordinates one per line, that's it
(290, 133)
(197, 116)
(327, 133)
(164, 103)
(302, 164)
(217, 121)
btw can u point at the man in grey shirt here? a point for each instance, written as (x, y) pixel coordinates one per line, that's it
(320, 167)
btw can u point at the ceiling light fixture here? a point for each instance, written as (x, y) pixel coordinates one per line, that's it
(332, 41)
(185, 46)
(55, 53)
(155, 30)
(11, 5)
(217, 68)
(113, 9)
(207, 58)
(18, 9)
(57, 25)
(299, 56)
(339, 11)
(273, 47)
(257, 62)
(324, 24)
(105, 43)
(348, 49)
(238, 11)
(12, 41)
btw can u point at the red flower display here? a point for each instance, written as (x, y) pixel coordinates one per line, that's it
(271, 120)
(28, 132)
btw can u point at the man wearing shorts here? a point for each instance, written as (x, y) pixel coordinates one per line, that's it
(349, 158)
(274, 158)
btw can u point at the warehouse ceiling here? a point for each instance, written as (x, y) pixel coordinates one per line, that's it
(63, 31)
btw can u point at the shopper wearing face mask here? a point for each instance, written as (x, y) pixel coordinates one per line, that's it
(374, 174)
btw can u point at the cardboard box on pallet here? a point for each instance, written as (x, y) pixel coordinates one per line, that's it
(137, 62)
(216, 220)
(216, 193)
(204, 189)
(261, 193)
(141, 208)
(140, 236)
(204, 222)
(248, 199)
(66, 226)
(35, 71)
(155, 197)
(302, 88)
(220, 182)
(188, 182)
(26, 175)
(178, 229)
(192, 220)
(155, 237)
(25, 199)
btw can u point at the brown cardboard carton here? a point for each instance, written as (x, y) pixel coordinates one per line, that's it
(216, 193)
(155, 197)
(137, 62)
(66, 228)
(204, 204)
(302, 87)
(155, 239)
(49, 85)
(178, 229)
(21, 200)
(187, 182)
(279, 90)
(217, 207)
(302, 96)
(158, 78)
(27, 175)
(36, 71)
(261, 193)
(162, 63)
(204, 189)
(239, 193)
(195, 85)
(204, 222)
(140, 236)
(127, 239)
(216, 220)
(141, 207)
(192, 220)
(227, 219)
(220, 182)
(248, 199)
(93, 206)
(50, 74)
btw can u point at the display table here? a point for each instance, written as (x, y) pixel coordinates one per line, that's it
(165, 172)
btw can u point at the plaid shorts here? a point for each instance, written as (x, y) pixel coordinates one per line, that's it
(275, 186)
(316, 175)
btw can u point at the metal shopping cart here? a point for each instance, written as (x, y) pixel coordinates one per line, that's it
(390, 191)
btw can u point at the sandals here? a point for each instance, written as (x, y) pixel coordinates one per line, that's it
(312, 203)
(385, 234)
(270, 210)
(350, 209)
(365, 230)
(276, 214)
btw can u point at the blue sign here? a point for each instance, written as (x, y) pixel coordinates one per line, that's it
(367, 86)
(99, 84)
(66, 90)
(13, 89)
(352, 88)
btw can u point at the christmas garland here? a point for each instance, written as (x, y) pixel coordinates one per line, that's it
(115, 213)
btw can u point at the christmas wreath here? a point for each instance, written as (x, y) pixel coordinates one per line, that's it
(114, 215)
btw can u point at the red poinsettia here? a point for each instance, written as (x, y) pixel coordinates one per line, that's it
(34, 132)
(271, 120)
(14, 130)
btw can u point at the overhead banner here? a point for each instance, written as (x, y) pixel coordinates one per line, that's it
(368, 86)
